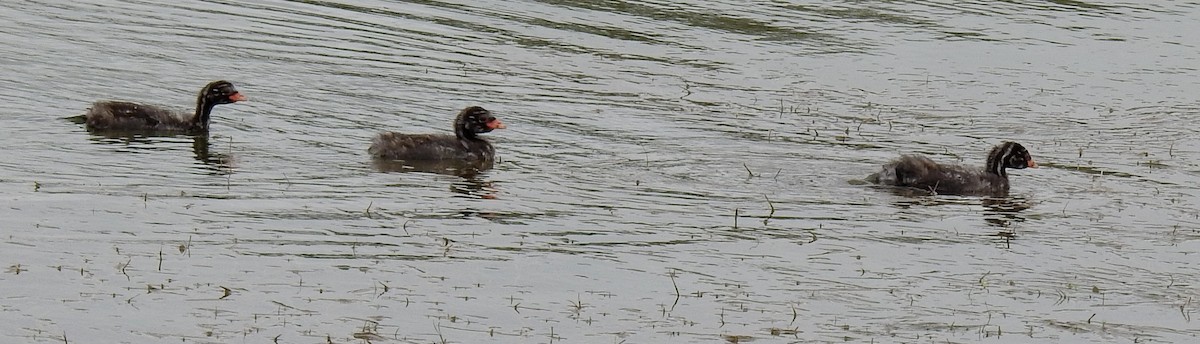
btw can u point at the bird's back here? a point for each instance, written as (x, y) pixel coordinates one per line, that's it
(425, 147)
(118, 115)
(920, 172)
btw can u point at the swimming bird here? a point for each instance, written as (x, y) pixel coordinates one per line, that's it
(464, 145)
(128, 116)
(917, 171)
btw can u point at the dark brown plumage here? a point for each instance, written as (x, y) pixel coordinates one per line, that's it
(127, 116)
(464, 145)
(920, 172)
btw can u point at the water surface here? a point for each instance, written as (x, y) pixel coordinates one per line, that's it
(636, 132)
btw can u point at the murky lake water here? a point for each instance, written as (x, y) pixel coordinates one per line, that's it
(636, 130)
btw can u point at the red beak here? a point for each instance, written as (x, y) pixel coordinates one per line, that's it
(237, 97)
(1032, 164)
(495, 124)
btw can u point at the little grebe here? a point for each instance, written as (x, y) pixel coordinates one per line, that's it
(127, 116)
(920, 172)
(464, 145)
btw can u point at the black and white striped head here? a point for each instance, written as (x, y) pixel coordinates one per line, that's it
(1009, 155)
(475, 120)
(220, 92)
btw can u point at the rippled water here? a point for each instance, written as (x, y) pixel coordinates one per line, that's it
(636, 132)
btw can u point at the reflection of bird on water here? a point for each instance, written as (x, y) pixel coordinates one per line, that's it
(218, 162)
(1001, 212)
(465, 169)
(469, 171)
(201, 147)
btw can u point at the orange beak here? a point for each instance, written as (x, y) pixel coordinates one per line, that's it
(237, 97)
(495, 124)
(1032, 164)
